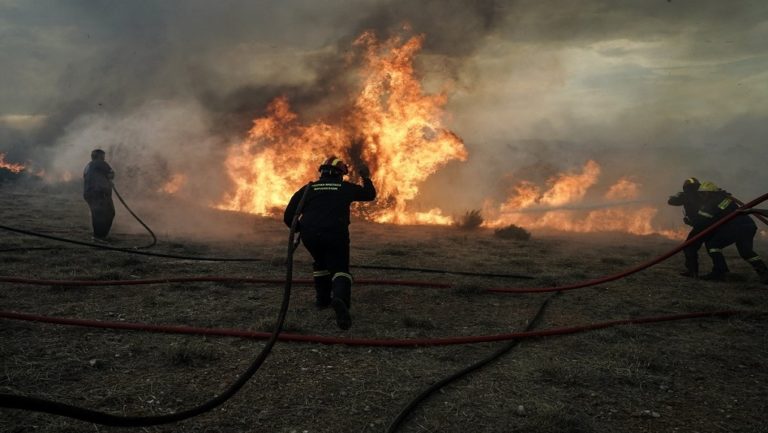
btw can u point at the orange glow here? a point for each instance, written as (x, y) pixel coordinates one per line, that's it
(535, 208)
(392, 125)
(571, 188)
(624, 189)
(174, 184)
(398, 126)
(11, 166)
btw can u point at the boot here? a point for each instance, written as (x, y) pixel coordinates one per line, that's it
(342, 294)
(719, 267)
(714, 276)
(691, 264)
(691, 273)
(323, 287)
(761, 269)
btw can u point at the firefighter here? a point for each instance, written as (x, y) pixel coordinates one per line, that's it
(324, 226)
(690, 200)
(715, 204)
(97, 191)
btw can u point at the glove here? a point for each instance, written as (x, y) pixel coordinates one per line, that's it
(364, 172)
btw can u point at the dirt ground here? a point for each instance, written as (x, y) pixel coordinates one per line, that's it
(703, 375)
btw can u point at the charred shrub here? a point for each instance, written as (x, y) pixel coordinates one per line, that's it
(512, 232)
(470, 220)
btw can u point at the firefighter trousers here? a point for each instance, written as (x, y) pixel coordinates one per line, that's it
(330, 253)
(102, 215)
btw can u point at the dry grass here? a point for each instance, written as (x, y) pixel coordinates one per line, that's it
(705, 375)
(471, 220)
(512, 232)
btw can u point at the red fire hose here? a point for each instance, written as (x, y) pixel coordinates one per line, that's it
(410, 283)
(138, 282)
(644, 265)
(29, 403)
(58, 408)
(242, 333)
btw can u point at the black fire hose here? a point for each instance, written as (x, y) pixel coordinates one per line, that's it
(127, 250)
(88, 415)
(463, 372)
(149, 230)
(231, 259)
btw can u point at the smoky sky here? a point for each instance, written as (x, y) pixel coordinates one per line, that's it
(660, 90)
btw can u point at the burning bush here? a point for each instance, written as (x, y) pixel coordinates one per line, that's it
(513, 232)
(470, 221)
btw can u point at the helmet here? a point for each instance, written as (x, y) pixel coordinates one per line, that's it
(96, 153)
(691, 184)
(334, 165)
(708, 187)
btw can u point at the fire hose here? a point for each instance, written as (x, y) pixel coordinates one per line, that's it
(408, 408)
(136, 217)
(102, 418)
(233, 259)
(146, 281)
(367, 342)
(57, 408)
(745, 209)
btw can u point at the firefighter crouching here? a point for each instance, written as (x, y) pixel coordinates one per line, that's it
(97, 192)
(324, 226)
(716, 204)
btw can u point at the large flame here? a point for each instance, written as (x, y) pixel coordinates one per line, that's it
(11, 166)
(391, 125)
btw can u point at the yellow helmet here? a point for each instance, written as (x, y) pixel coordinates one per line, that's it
(691, 184)
(334, 165)
(708, 187)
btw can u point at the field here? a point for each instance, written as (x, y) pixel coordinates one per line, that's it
(702, 375)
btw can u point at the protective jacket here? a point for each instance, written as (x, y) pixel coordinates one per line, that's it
(714, 206)
(326, 208)
(97, 180)
(690, 201)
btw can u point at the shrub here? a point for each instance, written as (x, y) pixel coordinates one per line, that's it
(470, 221)
(513, 232)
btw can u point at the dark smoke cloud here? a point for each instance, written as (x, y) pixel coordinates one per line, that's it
(673, 88)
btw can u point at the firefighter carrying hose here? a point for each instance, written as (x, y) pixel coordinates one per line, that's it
(324, 226)
(97, 192)
(715, 204)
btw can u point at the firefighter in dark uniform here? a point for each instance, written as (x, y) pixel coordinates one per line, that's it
(690, 200)
(97, 191)
(324, 226)
(716, 204)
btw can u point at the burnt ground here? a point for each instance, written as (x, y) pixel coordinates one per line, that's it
(703, 375)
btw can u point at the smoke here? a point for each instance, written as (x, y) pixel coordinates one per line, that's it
(147, 146)
(658, 90)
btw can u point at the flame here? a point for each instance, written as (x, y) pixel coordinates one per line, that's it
(561, 206)
(391, 124)
(570, 188)
(174, 184)
(11, 166)
(624, 189)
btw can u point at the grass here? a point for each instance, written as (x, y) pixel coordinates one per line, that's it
(190, 355)
(418, 323)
